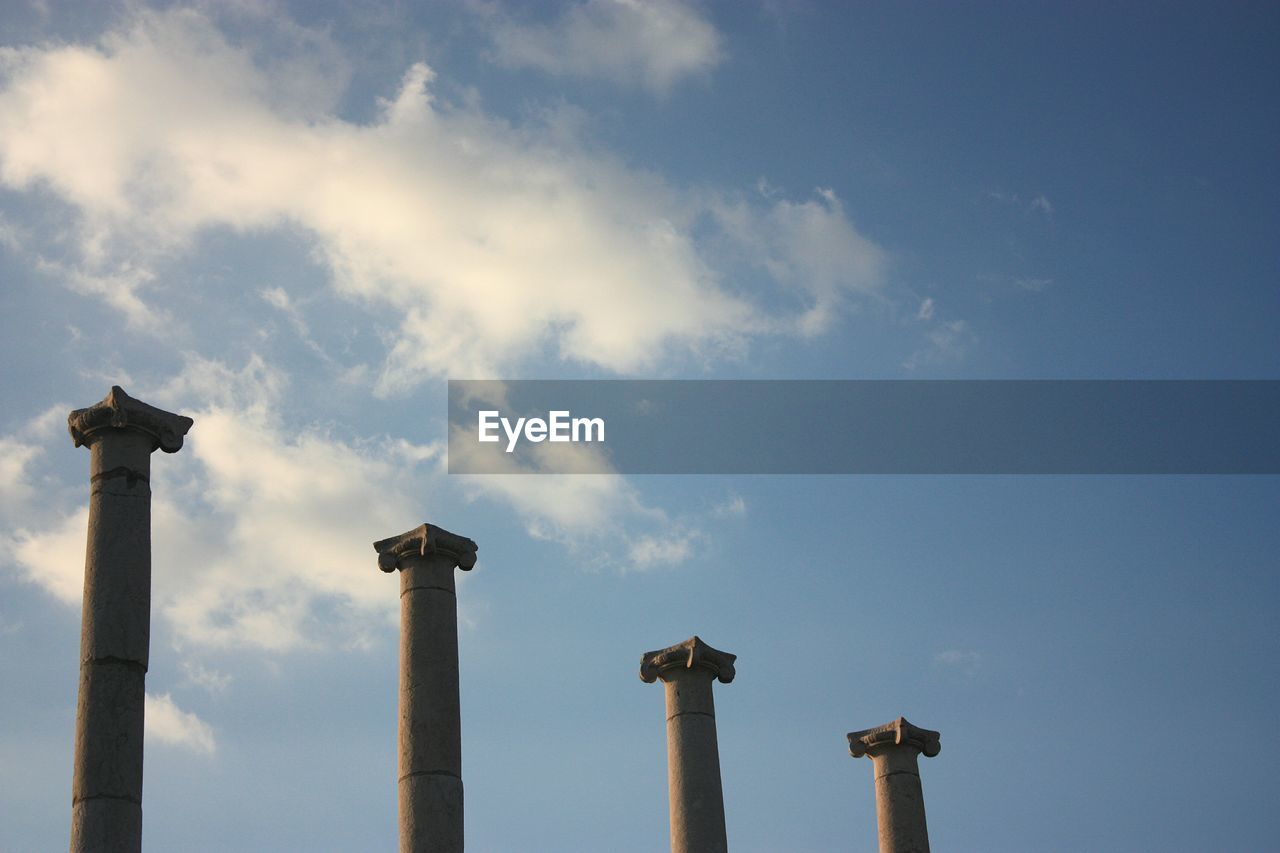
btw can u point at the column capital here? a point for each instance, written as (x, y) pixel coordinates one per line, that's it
(421, 541)
(692, 653)
(897, 733)
(117, 411)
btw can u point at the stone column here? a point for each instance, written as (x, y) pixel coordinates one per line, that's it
(430, 767)
(894, 749)
(694, 794)
(115, 628)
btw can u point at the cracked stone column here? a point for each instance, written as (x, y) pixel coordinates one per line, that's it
(115, 629)
(430, 766)
(895, 749)
(694, 794)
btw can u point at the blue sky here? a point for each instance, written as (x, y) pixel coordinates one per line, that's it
(294, 221)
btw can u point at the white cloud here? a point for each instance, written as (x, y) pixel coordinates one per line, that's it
(957, 656)
(278, 298)
(813, 248)
(15, 487)
(120, 284)
(733, 505)
(485, 243)
(641, 43)
(944, 341)
(963, 661)
(1042, 205)
(666, 549)
(168, 724)
(262, 529)
(282, 516)
(592, 508)
(208, 679)
(925, 311)
(1039, 203)
(261, 532)
(53, 556)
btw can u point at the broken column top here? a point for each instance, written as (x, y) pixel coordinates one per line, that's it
(897, 733)
(422, 540)
(687, 655)
(118, 410)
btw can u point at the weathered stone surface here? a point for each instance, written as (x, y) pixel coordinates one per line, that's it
(430, 716)
(693, 652)
(105, 826)
(421, 541)
(116, 619)
(115, 634)
(695, 794)
(897, 733)
(108, 745)
(118, 410)
(429, 775)
(894, 749)
(431, 814)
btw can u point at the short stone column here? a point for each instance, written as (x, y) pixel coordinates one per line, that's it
(430, 766)
(115, 627)
(894, 749)
(694, 793)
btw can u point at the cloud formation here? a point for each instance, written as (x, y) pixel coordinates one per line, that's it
(479, 245)
(637, 43)
(168, 724)
(590, 510)
(485, 243)
(261, 534)
(262, 529)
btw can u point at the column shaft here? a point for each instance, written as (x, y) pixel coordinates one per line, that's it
(115, 628)
(895, 750)
(900, 802)
(430, 766)
(695, 794)
(106, 790)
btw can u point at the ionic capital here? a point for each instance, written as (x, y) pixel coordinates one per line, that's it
(421, 541)
(898, 733)
(692, 653)
(117, 411)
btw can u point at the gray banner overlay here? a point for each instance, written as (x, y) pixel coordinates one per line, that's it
(865, 427)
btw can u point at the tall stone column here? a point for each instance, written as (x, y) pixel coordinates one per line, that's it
(895, 749)
(430, 766)
(694, 794)
(115, 629)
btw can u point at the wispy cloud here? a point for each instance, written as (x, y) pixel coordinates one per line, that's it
(733, 505)
(485, 243)
(168, 724)
(638, 43)
(277, 517)
(944, 341)
(1035, 285)
(211, 680)
(812, 247)
(957, 657)
(671, 548)
(1038, 203)
(593, 510)
(964, 662)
